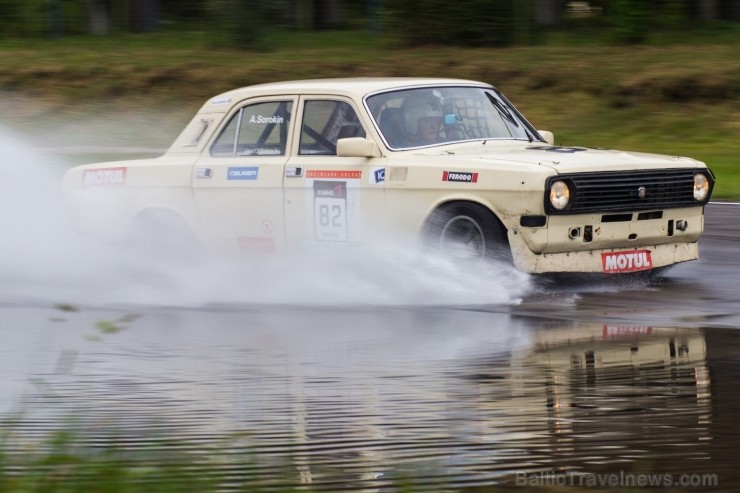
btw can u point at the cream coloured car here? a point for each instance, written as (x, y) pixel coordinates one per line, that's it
(321, 164)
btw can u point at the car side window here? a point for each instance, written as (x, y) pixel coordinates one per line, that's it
(259, 129)
(324, 123)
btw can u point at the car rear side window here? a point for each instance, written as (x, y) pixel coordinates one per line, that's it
(259, 129)
(325, 122)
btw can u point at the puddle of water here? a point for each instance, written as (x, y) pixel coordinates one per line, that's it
(356, 399)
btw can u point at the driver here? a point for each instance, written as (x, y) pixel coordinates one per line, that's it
(423, 120)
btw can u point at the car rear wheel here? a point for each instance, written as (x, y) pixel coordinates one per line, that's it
(467, 231)
(164, 234)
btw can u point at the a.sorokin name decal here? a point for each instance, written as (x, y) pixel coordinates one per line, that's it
(460, 176)
(617, 262)
(104, 177)
(264, 120)
(242, 173)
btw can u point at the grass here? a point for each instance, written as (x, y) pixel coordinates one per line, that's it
(66, 463)
(669, 96)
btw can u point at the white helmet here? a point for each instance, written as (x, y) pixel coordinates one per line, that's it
(421, 104)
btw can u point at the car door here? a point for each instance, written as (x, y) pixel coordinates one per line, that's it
(331, 201)
(238, 180)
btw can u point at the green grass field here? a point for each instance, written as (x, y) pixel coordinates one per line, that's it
(671, 96)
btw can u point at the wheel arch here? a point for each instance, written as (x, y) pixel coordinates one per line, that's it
(162, 215)
(155, 211)
(448, 203)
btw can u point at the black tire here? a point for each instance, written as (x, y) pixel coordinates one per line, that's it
(467, 231)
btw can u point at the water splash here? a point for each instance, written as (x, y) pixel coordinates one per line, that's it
(45, 260)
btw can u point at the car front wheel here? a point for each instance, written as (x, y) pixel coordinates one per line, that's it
(466, 231)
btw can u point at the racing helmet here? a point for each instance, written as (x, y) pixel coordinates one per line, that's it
(422, 104)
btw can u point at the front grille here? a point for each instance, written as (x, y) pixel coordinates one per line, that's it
(620, 190)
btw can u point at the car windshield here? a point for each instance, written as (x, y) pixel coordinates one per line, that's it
(427, 116)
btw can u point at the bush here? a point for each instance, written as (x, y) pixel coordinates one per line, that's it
(22, 19)
(630, 20)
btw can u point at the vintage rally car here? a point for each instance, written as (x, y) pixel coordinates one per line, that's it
(322, 164)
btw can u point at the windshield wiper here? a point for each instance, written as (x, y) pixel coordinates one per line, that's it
(503, 110)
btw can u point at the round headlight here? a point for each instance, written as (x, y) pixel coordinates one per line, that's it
(701, 187)
(559, 195)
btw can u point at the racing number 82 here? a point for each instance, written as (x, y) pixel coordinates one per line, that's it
(330, 222)
(331, 218)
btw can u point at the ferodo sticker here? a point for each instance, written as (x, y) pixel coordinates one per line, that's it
(104, 177)
(460, 176)
(618, 262)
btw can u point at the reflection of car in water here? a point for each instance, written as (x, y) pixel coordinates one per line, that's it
(612, 394)
(318, 165)
(349, 398)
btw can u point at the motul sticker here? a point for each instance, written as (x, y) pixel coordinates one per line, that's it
(328, 173)
(460, 176)
(104, 177)
(617, 262)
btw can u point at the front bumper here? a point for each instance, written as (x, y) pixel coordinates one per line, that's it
(593, 260)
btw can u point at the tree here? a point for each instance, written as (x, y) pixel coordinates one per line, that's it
(708, 9)
(549, 12)
(143, 15)
(99, 16)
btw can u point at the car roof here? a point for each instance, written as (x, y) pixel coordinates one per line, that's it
(356, 87)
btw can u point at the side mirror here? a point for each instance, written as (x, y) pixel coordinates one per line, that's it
(548, 136)
(357, 147)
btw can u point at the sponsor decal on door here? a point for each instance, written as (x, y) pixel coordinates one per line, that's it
(242, 173)
(338, 174)
(330, 210)
(377, 176)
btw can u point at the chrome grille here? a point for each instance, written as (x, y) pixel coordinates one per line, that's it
(620, 190)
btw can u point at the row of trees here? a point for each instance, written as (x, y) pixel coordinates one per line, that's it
(469, 22)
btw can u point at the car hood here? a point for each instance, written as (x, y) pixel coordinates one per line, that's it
(561, 159)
